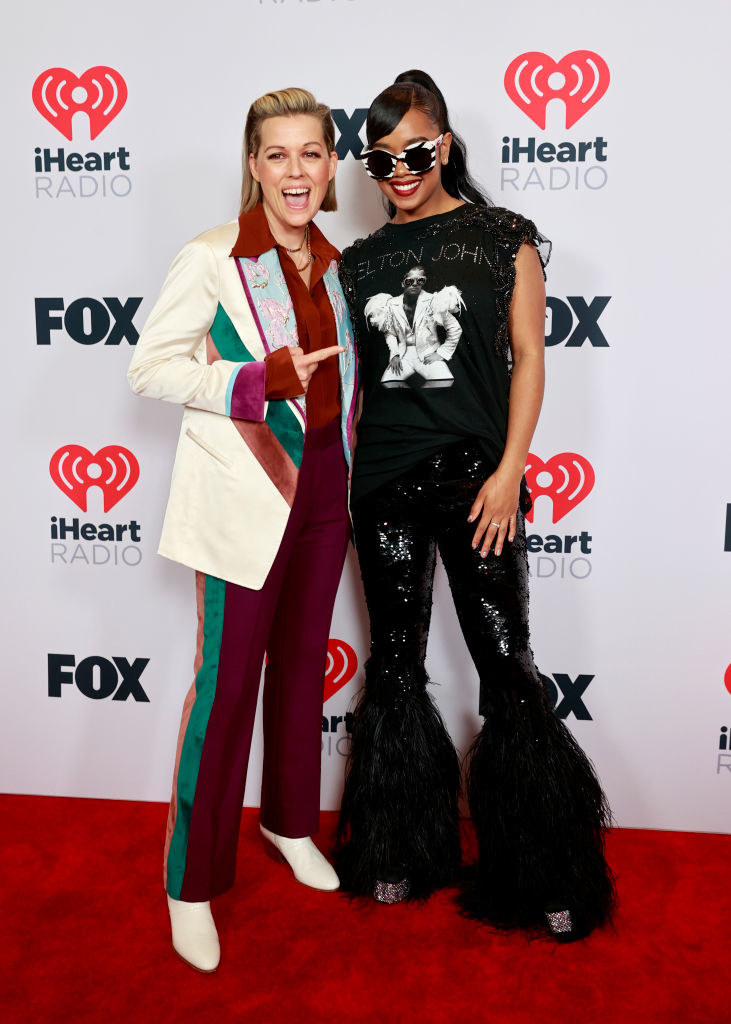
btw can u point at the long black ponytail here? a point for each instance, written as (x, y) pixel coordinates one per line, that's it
(417, 89)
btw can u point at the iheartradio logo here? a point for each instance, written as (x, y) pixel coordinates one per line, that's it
(580, 79)
(100, 93)
(341, 666)
(566, 478)
(113, 469)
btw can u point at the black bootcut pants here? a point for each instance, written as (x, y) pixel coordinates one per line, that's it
(537, 805)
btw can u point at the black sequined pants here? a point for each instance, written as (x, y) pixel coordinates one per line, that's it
(398, 529)
(537, 806)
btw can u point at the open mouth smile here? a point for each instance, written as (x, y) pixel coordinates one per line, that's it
(406, 188)
(296, 198)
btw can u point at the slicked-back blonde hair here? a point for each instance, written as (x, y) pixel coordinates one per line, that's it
(283, 103)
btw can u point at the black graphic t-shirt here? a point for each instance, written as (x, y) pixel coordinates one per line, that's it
(430, 302)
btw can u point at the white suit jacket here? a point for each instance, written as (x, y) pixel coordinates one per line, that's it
(237, 460)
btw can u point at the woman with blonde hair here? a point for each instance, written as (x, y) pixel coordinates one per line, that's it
(252, 335)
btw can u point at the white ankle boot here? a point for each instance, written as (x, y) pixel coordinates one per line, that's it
(195, 938)
(307, 863)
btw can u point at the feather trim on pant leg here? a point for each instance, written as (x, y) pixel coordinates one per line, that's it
(399, 815)
(540, 817)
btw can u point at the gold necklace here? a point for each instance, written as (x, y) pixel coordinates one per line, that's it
(304, 239)
(309, 251)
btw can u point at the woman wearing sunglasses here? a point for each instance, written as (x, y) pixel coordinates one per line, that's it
(446, 298)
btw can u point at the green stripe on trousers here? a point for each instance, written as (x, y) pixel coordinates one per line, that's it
(195, 734)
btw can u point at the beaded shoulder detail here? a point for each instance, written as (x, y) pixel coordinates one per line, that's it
(507, 232)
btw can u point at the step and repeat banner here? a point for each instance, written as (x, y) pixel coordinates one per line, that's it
(124, 141)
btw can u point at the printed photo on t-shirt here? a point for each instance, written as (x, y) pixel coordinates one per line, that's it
(421, 330)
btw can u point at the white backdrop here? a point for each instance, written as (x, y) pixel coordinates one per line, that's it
(642, 220)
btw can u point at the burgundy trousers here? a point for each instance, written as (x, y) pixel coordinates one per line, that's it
(289, 620)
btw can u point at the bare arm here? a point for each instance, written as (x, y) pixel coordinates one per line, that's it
(497, 501)
(527, 326)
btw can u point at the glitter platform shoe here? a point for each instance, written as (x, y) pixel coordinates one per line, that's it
(561, 923)
(385, 891)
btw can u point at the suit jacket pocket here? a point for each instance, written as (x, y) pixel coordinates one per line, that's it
(213, 452)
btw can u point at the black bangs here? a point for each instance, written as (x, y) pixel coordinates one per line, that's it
(390, 106)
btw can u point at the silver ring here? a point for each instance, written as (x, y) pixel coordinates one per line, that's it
(494, 524)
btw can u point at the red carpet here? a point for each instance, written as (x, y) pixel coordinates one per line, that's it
(85, 937)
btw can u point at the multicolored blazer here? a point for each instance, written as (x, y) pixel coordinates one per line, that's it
(238, 456)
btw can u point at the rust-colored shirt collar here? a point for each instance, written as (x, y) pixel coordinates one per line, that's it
(255, 238)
